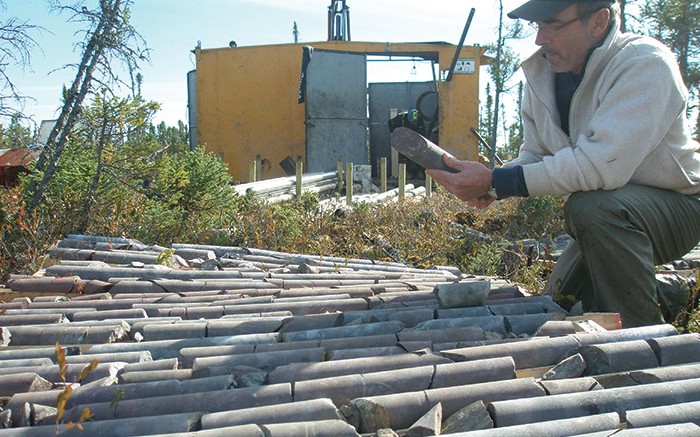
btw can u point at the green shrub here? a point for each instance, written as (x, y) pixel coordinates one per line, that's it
(25, 240)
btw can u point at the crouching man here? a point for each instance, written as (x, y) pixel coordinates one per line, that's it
(605, 124)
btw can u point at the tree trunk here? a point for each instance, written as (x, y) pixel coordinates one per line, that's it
(69, 114)
(82, 226)
(499, 88)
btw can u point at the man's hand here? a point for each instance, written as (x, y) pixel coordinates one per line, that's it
(470, 184)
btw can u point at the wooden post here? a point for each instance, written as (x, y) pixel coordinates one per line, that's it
(393, 112)
(428, 186)
(258, 167)
(300, 170)
(340, 175)
(349, 183)
(402, 181)
(252, 175)
(383, 174)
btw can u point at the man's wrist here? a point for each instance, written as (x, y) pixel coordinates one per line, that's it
(509, 182)
(492, 190)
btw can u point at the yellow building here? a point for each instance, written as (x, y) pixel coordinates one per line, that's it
(245, 103)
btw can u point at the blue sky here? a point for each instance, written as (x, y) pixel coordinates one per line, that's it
(172, 29)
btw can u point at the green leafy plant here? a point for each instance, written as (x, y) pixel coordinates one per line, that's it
(114, 403)
(689, 319)
(164, 256)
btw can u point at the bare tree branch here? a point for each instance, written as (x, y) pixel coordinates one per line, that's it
(109, 40)
(16, 44)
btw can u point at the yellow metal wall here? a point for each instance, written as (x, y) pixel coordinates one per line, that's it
(459, 106)
(247, 101)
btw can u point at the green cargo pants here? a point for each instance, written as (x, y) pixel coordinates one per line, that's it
(620, 236)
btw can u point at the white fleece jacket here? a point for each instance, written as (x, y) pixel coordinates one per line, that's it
(627, 123)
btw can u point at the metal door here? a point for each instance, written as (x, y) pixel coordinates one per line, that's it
(383, 97)
(336, 110)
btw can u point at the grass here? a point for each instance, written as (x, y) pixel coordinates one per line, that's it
(440, 230)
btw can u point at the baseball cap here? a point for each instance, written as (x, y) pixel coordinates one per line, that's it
(542, 10)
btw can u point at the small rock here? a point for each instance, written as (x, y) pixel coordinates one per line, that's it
(473, 417)
(211, 265)
(6, 419)
(252, 379)
(306, 268)
(42, 414)
(571, 367)
(462, 294)
(428, 425)
(365, 415)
